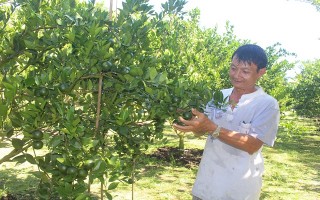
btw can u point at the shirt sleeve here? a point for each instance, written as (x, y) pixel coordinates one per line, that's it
(265, 124)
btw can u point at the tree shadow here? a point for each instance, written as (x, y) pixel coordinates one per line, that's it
(17, 188)
(304, 151)
(5, 144)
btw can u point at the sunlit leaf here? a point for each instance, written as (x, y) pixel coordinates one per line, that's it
(113, 185)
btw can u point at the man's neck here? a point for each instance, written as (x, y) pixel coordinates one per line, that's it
(238, 92)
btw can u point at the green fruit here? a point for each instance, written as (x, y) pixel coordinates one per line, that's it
(82, 173)
(130, 181)
(200, 109)
(187, 115)
(178, 122)
(126, 70)
(183, 69)
(72, 171)
(37, 135)
(112, 41)
(37, 92)
(176, 99)
(172, 109)
(43, 92)
(64, 87)
(107, 65)
(62, 168)
(88, 164)
(37, 144)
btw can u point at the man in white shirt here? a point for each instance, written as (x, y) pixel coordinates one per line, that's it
(231, 167)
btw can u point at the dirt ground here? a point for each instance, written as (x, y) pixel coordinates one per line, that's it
(187, 157)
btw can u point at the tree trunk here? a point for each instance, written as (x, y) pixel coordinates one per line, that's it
(181, 142)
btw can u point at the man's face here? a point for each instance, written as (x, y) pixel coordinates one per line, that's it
(244, 76)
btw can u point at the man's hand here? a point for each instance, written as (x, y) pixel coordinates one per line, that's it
(199, 124)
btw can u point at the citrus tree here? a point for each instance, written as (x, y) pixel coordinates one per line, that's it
(276, 82)
(82, 85)
(202, 57)
(305, 90)
(94, 92)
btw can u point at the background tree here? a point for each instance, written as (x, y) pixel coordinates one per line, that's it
(316, 3)
(276, 82)
(306, 90)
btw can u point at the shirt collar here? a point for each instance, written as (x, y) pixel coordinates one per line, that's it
(259, 91)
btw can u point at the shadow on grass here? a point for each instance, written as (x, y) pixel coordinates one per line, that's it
(299, 166)
(17, 188)
(17, 184)
(306, 147)
(308, 151)
(4, 144)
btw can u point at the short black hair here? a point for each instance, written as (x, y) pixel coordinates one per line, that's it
(251, 53)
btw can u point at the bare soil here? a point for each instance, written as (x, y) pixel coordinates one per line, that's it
(187, 157)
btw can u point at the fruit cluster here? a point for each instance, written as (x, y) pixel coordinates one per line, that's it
(37, 136)
(175, 110)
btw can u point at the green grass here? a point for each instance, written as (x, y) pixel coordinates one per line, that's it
(292, 166)
(292, 169)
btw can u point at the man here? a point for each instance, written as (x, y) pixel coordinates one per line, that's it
(232, 165)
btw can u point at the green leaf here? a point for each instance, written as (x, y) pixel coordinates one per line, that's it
(3, 110)
(76, 122)
(113, 185)
(17, 143)
(113, 161)
(41, 175)
(60, 160)
(8, 86)
(10, 91)
(80, 189)
(162, 77)
(148, 89)
(30, 158)
(65, 130)
(29, 44)
(218, 97)
(71, 36)
(29, 81)
(76, 145)
(119, 87)
(123, 130)
(152, 73)
(59, 108)
(81, 196)
(90, 85)
(56, 140)
(70, 114)
(59, 21)
(19, 159)
(109, 196)
(124, 114)
(113, 178)
(100, 166)
(9, 132)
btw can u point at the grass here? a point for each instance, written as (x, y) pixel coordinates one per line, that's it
(291, 169)
(292, 166)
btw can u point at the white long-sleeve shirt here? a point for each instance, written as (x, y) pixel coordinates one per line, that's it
(227, 173)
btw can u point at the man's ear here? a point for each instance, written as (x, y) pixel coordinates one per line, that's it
(262, 71)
